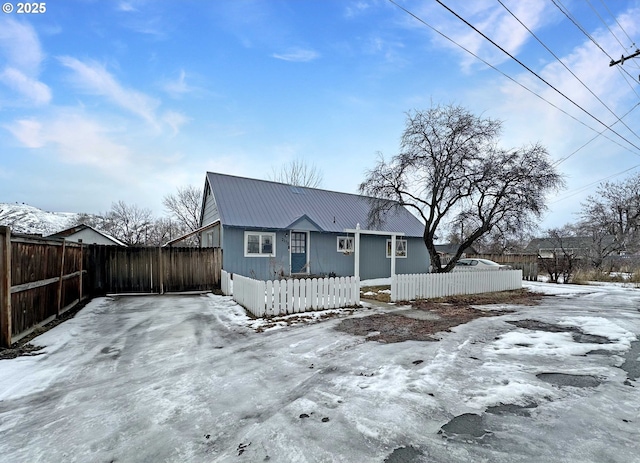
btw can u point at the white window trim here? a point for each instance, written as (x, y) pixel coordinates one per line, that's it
(398, 256)
(349, 240)
(260, 234)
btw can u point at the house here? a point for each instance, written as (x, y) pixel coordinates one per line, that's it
(271, 230)
(88, 235)
(546, 248)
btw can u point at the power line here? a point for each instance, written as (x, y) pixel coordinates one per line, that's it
(586, 187)
(567, 68)
(560, 161)
(510, 78)
(605, 24)
(533, 72)
(633, 45)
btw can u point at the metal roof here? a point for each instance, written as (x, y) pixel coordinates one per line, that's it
(252, 203)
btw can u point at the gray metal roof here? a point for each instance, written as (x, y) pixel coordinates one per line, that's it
(252, 203)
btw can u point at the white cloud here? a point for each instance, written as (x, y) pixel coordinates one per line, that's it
(21, 46)
(299, 55)
(76, 138)
(94, 78)
(177, 87)
(28, 132)
(356, 8)
(175, 120)
(30, 88)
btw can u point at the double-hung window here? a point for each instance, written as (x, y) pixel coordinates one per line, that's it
(345, 243)
(401, 248)
(259, 244)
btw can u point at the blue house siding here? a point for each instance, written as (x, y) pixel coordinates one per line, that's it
(210, 213)
(324, 259)
(263, 268)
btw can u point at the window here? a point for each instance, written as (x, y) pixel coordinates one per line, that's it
(259, 244)
(401, 248)
(345, 243)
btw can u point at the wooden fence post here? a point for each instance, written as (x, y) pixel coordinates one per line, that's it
(64, 249)
(81, 269)
(5, 286)
(161, 270)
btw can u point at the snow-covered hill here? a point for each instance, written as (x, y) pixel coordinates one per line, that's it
(23, 218)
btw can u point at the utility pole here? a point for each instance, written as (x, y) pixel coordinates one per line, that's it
(623, 58)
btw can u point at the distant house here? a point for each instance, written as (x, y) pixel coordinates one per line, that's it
(270, 230)
(88, 235)
(578, 246)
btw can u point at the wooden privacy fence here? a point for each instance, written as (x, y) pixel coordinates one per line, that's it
(279, 297)
(430, 285)
(145, 269)
(41, 279)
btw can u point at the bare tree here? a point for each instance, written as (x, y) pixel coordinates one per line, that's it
(298, 173)
(129, 223)
(561, 259)
(185, 208)
(612, 217)
(450, 170)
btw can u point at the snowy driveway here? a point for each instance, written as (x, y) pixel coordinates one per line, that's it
(184, 379)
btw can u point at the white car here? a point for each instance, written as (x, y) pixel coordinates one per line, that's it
(478, 264)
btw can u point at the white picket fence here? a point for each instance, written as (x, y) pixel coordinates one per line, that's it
(279, 297)
(429, 285)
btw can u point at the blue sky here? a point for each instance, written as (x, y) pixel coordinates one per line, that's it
(103, 101)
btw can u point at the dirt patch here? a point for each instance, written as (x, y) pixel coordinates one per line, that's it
(450, 312)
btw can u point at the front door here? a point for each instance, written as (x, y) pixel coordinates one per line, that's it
(299, 252)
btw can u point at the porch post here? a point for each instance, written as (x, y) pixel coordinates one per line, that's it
(356, 252)
(393, 255)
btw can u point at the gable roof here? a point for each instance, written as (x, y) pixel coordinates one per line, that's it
(568, 242)
(252, 203)
(78, 228)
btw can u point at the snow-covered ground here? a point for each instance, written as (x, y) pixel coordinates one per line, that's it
(187, 379)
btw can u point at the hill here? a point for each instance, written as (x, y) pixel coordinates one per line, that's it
(23, 218)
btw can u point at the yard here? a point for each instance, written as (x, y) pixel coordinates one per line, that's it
(193, 378)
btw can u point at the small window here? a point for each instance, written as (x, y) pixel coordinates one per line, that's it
(401, 248)
(259, 244)
(345, 243)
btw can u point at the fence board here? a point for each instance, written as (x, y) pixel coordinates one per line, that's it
(41, 279)
(431, 285)
(269, 298)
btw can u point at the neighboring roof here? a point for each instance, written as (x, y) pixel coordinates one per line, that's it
(78, 228)
(569, 242)
(252, 203)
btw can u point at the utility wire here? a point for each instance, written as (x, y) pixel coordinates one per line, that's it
(605, 24)
(567, 68)
(570, 17)
(534, 73)
(560, 161)
(511, 78)
(586, 187)
(633, 45)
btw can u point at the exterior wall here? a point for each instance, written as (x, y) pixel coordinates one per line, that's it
(211, 238)
(374, 262)
(210, 212)
(261, 268)
(324, 259)
(89, 236)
